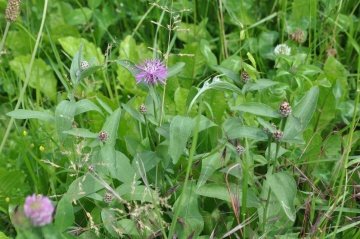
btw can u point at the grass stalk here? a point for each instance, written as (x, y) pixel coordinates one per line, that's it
(4, 36)
(188, 170)
(27, 79)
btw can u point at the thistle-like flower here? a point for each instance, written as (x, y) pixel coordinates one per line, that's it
(152, 71)
(278, 135)
(282, 49)
(297, 36)
(38, 209)
(103, 136)
(245, 77)
(143, 109)
(285, 109)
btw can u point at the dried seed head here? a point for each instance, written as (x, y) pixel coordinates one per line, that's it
(103, 136)
(142, 109)
(240, 149)
(297, 36)
(12, 10)
(285, 109)
(108, 198)
(245, 77)
(84, 65)
(331, 52)
(278, 134)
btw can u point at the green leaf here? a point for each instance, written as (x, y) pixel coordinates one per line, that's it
(208, 166)
(10, 181)
(143, 162)
(124, 172)
(31, 114)
(111, 127)
(89, 50)
(109, 221)
(229, 73)
(64, 117)
(194, 32)
(303, 111)
(173, 70)
(134, 113)
(131, 67)
(180, 97)
(64, 217)
(3, 236)
(260, 84)
(81, 132)
(83, 186)
(240, 13)
(283, 186)
(309, 70)
(94, 3)
(234, 129)
(78, 16)
(41, 76)
(128, 226)
(252, 59)
(221, 192)
(189, 213)
(85, 105)
(140, 193)
(181, 129)
(206, 51)
(257, 109)
(215, 85)
(334, 70)
(194, 65)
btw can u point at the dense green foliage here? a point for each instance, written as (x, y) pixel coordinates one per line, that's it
(212, 156)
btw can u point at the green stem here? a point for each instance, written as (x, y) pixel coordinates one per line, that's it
(27, 79)
(283, 122)
(343, 179)
(188, 170)
(269, 192)
(245, 172)
(4, 36)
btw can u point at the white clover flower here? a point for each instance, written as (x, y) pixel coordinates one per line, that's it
(282, 49)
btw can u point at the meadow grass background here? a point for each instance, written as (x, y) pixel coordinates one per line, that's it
(212, 156)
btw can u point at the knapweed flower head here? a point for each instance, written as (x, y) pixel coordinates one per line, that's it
(38, 209)
(285, 109)
(151, 71)
(12, 10)
(282, 49)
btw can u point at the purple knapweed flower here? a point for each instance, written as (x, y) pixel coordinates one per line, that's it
(151, 71)
(38, 209)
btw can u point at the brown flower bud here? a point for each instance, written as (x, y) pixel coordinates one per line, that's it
(12, 10)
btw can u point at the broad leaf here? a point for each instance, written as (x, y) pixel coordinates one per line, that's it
(283, 186)
(64, 117)
(181, 129)
(303, 112)
(64, 217)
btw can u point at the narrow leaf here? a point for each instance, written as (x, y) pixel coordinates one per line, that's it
(31, 114)
(85, 105)
(257, 109)
(229, 73)
(173, 70)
